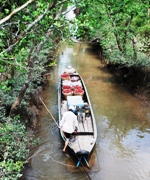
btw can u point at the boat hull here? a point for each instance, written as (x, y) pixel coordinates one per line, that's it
(81, 143)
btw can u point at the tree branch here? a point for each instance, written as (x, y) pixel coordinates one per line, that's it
(15, 11)
(31, 65)
(29, 27)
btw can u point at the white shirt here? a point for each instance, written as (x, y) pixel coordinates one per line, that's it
(68, 122)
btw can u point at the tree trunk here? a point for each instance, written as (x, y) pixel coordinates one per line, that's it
(134, 49)
(18, 100)
(118, 42)
(31, 65)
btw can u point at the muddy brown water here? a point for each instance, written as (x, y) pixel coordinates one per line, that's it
(123, 125)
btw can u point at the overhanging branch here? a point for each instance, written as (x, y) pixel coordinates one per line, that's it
(15, 12)
(31, 65)
(23, 34)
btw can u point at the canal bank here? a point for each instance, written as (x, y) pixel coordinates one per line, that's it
(122, 122)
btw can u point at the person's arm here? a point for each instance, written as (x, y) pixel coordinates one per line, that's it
(62, 121)
(76, 124)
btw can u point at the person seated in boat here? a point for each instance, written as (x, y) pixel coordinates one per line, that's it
(83, 112)
(70, 70)
(87, 109)
(68, 124)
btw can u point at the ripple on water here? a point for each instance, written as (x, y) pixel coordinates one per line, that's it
(123, 147)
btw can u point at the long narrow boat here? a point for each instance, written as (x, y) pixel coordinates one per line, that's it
(72, 92)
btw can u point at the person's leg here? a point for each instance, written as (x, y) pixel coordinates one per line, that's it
(67, 136)
(83, 114)
(66, 144)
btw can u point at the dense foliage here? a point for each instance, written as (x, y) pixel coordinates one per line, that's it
(122, 26)
(29, 35)
(30, 31)
(13, 148)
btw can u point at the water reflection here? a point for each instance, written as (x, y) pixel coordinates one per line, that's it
(123, 123)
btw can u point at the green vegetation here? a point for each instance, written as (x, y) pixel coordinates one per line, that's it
(29, 35)
(30, 32)
(122, 26)
(13, 140)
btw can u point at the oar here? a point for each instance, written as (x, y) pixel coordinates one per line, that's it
(64, 136)
(82, 166)
(49, 112)
(51, 116)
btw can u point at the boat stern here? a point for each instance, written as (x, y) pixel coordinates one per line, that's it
(82, 155)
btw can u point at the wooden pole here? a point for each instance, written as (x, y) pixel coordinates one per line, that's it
(65, 137)
(49, 112)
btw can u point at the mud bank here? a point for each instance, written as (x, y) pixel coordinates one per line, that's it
(135, 80)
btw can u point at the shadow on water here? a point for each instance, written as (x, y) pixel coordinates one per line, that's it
(123, 124)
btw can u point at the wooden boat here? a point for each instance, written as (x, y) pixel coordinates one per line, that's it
(72, 91)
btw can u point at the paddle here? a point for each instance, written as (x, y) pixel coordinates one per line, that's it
(49, 112)
(64, 136)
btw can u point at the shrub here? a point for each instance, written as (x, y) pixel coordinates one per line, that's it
(13, 147)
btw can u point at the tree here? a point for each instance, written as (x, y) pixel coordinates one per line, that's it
(121, 27)
(38, 26)
(29, 33)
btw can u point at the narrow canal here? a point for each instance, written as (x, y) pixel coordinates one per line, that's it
(123, 124)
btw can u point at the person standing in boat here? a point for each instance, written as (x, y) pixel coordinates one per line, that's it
(68, 124)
